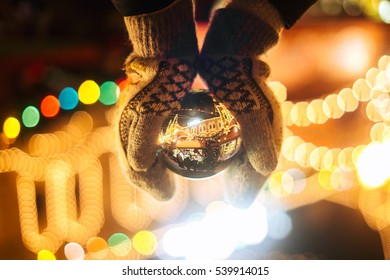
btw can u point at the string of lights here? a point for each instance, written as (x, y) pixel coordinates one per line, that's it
(88, 93)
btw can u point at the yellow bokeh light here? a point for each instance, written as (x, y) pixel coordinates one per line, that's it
(286, 109)
(331, 158)
(279, 90)
(302, 154)
(317, 157)
(145, 242)
(275, 185)
(372, 112)
(362, 90)
(325, 179)
(89, 92)
(293, 181)
(298, 114)
(384, 62)
(376, 132)
(383, 80)
(347, 100)
(315, 112)
(290, 144)
(331, 107)
(345, 158)
(371, 75)
(342, 179)
(11, 127)
(46, 255)
(372, 165)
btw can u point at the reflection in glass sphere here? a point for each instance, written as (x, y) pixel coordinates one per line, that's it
(201, 139)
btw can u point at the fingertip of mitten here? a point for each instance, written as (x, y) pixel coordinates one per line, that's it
(157, 181)
(264, 166)
(243, 182)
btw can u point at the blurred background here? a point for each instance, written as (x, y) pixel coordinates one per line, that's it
(46, 46)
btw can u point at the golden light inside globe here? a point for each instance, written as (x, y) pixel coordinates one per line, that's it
(201, 139)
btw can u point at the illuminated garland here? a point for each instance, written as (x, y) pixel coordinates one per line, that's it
(376, 9)
(374, 90)
(88, 93)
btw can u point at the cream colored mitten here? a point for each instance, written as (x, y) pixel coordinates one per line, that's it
(160, 70)
(230, 64)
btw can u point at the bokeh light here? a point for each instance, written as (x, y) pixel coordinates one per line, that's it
(89, 92)
(109, 93)
(50, 106)
(68, 98)
(293, 181)
(97, 247)
(218, 234)
(46, 255)
(120, 244)
(279, 225)
(96, 244)
(74, 251)
(11, 127)
(145, 242)
(384, 11)
(30, 116)
(373, 165)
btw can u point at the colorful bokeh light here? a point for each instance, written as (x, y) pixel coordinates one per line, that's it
(11, 127)
(89, 92)
(96, 244)
(120, 244)
(46, 255)
(109, 92)
(74, 251)
(50, 106)
(30, 116)
(68, 98)
(145, 242)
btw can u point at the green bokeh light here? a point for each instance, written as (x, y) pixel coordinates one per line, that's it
(30, 116)
(109, 92)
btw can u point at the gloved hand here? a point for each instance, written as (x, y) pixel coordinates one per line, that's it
(230, 66)
(160, 70)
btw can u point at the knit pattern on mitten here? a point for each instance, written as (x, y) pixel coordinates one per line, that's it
(230, 79)
(159, 98)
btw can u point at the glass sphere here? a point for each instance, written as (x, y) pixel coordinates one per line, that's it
(201, 139)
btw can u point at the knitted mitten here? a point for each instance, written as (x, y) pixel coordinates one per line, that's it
(160, 71)
(229, 64)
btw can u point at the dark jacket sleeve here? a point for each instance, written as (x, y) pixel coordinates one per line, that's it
(291, 11)
(139, 7)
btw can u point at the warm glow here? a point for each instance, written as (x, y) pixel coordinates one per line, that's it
(373, 165)
(384, 11)
(69, 163)
(353, 49)
(218, 233)
(280, 225)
